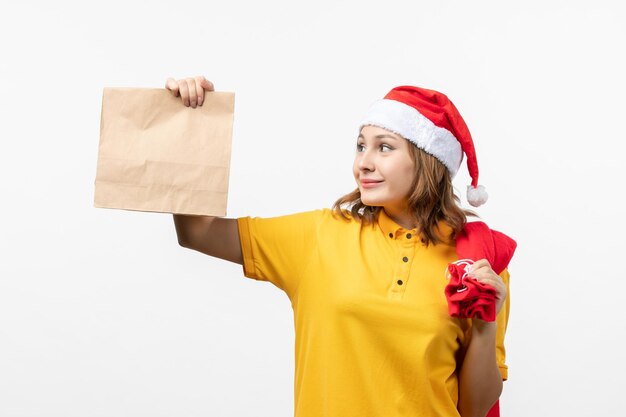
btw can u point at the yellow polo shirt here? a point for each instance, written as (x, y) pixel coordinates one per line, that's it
(373, 336)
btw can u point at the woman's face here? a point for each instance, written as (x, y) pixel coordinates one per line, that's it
(383, 156)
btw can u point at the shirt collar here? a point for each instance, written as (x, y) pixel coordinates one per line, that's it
(393, 230)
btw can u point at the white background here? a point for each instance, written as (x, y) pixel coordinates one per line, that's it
(103, 314)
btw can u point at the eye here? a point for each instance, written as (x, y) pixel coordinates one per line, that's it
(382, 146)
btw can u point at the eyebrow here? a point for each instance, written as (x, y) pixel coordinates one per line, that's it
(379, 136)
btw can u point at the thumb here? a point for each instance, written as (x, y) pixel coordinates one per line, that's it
(172, 85)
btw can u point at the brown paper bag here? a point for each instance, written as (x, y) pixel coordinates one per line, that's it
(158, 155)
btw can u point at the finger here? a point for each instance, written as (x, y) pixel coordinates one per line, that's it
(206, 84)
(485, 273)
(199, 90)
(500, 289)
(479, 264)
(193, 96)
(490, 281)
(172, 85)
(480, 267)
(184, 92)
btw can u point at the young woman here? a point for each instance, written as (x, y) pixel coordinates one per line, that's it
(374, 336)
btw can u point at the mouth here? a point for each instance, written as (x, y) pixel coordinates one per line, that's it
(369, 183)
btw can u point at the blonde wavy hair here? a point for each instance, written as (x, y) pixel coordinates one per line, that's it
(432, 200)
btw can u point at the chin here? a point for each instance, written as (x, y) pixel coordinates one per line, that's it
(371, 201)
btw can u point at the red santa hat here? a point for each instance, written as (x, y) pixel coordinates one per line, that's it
(428, 119)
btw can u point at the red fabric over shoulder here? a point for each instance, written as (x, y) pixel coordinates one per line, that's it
(478, 241)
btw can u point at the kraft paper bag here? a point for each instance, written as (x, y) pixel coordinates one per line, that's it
(158, 155)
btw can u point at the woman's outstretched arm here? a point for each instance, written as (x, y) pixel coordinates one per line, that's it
(214, 236)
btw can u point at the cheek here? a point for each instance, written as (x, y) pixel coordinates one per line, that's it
(409, 165)
(409, 174)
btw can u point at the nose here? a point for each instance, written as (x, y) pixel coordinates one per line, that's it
(365, 161)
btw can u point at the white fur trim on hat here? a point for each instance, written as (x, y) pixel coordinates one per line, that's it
(406, 121)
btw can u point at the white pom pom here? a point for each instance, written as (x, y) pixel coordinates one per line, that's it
(477, 196)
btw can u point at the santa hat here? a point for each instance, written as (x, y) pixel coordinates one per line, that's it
(428, 119)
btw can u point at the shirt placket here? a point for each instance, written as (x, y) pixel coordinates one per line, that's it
(405, 244)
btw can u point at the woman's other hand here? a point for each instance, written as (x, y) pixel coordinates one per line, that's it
(191, 90)
(481, 271)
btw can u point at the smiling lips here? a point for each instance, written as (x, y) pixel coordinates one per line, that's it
(370, 183)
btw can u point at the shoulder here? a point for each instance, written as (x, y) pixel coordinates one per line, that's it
(334, 214)
(479, 240)
(310, 221)
(480, 230)
(344, 218)
(301, 216)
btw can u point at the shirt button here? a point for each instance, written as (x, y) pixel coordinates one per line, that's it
(399, 282)
(390, 234)
(405, 259)
(408, 236)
